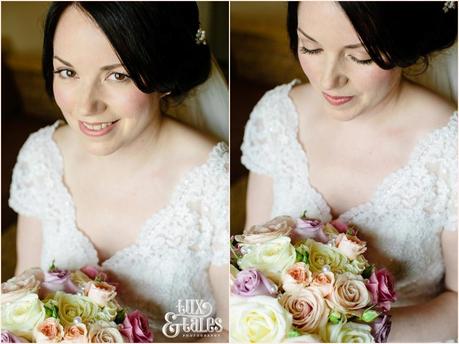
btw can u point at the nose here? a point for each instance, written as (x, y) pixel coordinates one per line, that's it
(333, 75)
(90, 99)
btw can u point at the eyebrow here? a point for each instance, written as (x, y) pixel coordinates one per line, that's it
(108, 67)
(350, 46)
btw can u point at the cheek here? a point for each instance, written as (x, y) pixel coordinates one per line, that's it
(310, 69)
(133, 103)
(63, 97)
(378, 80)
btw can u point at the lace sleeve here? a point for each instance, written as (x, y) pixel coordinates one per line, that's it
(216, 205)
(29, 178)
(452, 178)
(263, 134)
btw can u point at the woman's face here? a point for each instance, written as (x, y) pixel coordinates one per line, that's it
(91, 87)
(337, 65)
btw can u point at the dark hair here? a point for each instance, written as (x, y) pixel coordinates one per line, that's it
(155, 41)
(394, 33)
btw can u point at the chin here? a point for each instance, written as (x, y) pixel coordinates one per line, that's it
(343, 115)
(99, 148)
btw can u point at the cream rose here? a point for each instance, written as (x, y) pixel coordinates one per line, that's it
(48, 331)
(350, 246)
(271, 258)
(279, 226)
(298, 275)
(104, 332)
(108, 313)
(324, 282)
(77, 333)
(258, 319)
(23, 315)
(321, 255)
(100, 292)
(308, 308)
(72, 306)
(80, 279)
(357, 265)
(349, 332)
(21, 285)
(350, 295)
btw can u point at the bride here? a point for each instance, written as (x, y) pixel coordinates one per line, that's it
(120, 183)
(363, 144)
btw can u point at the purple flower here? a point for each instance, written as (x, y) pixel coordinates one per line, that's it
(8, 337)
(94, 272)
(57, 280)
(380, 328)
(251, 282)
(135, 328)
(308, 229)
(340, 226)
(381, 287)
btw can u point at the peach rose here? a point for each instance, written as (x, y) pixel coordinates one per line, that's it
(27, 282)
(298, 275)
(279, 226)
(324, 282)
(350, 246)
(308, 308)
(49, 331)
(77, 333)
(100, 292)
(350, 295)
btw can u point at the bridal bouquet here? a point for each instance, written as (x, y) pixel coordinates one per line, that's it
(67, 306)
(301, 280)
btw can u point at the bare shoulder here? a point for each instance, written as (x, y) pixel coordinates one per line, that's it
(301, 93)
(62, 136)
(430, 110)
(190, 144)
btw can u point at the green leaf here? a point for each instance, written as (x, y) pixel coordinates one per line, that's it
(51, 311)
(293, 333)
(52, 267)
(368, 270)
(369, 315)
(120, 315)
(334, 317)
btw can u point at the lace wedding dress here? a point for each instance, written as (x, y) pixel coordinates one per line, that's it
(403, 220)
(171, 256)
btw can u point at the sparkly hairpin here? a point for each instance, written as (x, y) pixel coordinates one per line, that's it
(449, 5)
(200, 37)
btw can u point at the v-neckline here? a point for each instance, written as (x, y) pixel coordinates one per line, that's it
(350, 213)
(173, 199)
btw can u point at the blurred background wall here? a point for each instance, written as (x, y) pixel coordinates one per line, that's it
(25, 105)
(260, 60)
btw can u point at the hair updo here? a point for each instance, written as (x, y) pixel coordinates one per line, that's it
(394, 33)
(155, 41)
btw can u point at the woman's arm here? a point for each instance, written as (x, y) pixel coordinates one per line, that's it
(259, 199)
(435, 320)
(28, 243)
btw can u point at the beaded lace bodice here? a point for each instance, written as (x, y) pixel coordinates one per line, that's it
(175, 247)
(403, 220)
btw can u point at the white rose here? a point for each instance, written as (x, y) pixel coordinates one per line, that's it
(349, 332)
(23, 315)
(258, 319)
(271, 257)
(104, 332)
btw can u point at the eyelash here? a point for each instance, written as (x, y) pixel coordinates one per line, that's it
(59, 71)
(304, 50)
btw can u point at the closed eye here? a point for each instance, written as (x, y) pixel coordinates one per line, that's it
(304, 50)
(364, 62)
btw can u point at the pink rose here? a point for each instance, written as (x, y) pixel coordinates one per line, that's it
(324, 282)
(76, 333)
(350, 246)
(381, 287)
(340, 226)
(135, 328)
(251, 282)
(298, 275)
(57, 280)
(100, 292)
(308, 229)
(94, 272)
(279, 226)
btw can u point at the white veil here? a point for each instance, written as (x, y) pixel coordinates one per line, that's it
(206, 108)
(441, 76)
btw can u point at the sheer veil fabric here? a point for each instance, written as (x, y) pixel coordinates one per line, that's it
(206, 107)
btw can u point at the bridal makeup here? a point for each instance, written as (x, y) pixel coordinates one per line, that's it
(348, 83)
(97, 97)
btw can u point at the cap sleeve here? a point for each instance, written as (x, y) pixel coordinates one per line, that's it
(450, 161)
(266, 131)
(31, 174)
(216, 205)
